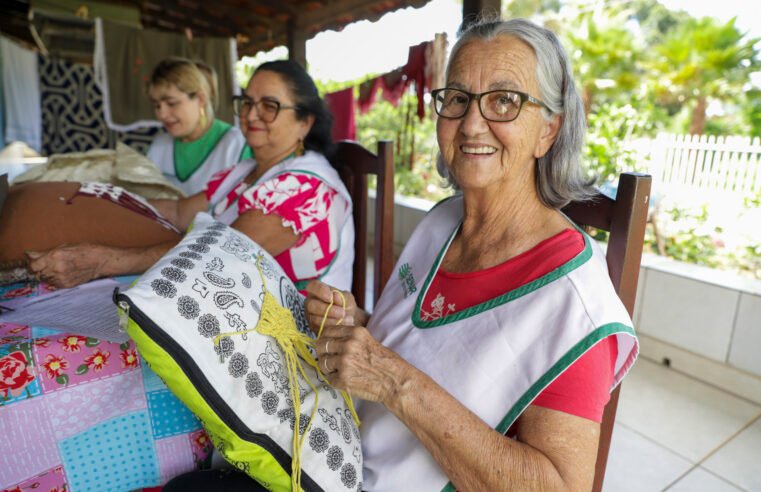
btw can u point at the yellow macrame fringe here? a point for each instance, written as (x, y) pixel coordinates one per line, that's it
(277, 321)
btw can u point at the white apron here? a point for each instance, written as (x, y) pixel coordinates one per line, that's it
(494, 358)
(339, 272)
(225, 154)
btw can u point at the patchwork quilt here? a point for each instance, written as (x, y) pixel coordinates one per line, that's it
(83, 414)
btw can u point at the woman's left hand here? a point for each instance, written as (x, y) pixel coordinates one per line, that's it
(353, 361)
(68, 265)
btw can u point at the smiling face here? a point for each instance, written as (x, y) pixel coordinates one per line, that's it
(273, 141)
(177, 111)
(480, 153)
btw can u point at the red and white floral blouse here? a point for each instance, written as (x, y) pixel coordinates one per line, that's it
(307, 204)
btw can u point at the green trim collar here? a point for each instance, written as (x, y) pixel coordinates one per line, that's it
(521, 291)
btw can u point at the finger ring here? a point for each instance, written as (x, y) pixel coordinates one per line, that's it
(327, 344)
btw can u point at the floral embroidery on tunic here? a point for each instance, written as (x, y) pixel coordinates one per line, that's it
(439, 309)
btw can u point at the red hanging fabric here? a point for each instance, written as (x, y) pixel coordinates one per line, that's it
(394, 83)
(415, 72)
(367, 90)
(341, 105)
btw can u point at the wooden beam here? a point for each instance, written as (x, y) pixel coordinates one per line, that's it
(297, 43)
(473, 9)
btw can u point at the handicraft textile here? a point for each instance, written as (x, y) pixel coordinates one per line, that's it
(222, 324)
(72, 112)
(82, 414)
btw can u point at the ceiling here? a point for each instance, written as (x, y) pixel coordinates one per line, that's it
(257, 25)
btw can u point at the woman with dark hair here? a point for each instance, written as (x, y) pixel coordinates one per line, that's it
(288, 198)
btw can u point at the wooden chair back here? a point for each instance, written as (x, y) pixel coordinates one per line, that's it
(624, 218)
(3, 190)
(354, 164)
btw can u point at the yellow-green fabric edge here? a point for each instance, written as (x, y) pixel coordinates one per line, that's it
(260, 462)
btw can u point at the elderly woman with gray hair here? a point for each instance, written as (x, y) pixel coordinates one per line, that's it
(494, 347)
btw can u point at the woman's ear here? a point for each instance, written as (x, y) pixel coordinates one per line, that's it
(308, 122)
(202, 99)
(548, 136)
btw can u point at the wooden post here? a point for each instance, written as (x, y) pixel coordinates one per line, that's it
(297, 43)
(472, 9)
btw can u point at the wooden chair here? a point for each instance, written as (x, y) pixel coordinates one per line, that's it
(355, 163)
(3, 190)
(625, 219)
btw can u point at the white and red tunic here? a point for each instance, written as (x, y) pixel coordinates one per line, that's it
(494, 357)
(309, 196)
(219, 154)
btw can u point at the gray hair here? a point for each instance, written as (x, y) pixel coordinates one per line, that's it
(560, 177)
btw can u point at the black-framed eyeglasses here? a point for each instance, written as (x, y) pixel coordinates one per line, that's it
(500, 105)
(266, 109)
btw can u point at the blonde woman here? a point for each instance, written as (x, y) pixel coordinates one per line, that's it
(195, 145)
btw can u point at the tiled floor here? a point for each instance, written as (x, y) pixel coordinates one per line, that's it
(676, 433)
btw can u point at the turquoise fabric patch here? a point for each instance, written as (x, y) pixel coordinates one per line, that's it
(116, 455)
(39, 332)
(151, 381)
(169, 416)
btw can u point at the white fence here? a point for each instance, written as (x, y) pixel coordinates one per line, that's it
(702, 163)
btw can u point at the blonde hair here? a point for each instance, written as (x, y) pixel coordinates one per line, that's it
(188, 78)
(211, 77)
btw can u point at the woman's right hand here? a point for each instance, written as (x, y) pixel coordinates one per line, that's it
(318, 301)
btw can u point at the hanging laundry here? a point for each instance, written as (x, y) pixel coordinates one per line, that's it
(72, 112)
(21, 94)
(124, 60)
(367, 91)
(341, 105)
(414, 71)
(393, 84)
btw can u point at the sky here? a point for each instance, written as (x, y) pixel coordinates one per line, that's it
(378, 47)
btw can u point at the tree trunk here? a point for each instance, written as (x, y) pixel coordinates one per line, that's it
(586, 98)
(698, 123)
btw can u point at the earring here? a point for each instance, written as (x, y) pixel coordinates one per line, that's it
(202, 119)
(300, 148)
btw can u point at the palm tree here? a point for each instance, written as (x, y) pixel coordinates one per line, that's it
(699, 60)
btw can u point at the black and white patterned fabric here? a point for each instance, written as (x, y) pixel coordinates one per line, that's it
(72, 112)
(195, 296)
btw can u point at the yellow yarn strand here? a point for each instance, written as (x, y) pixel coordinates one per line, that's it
(346, 395)
(277, 321)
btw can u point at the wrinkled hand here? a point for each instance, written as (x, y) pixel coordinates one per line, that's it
(68, 266)
(318, 299)
(353, 361)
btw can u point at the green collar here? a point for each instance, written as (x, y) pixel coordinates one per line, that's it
(521, 291)
(189, 156)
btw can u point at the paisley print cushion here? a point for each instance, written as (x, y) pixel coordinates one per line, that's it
(191, 317)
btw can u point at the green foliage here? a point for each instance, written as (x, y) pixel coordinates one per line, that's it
(690, 240)
(751, 111)
(611, 127)
(415, 146)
